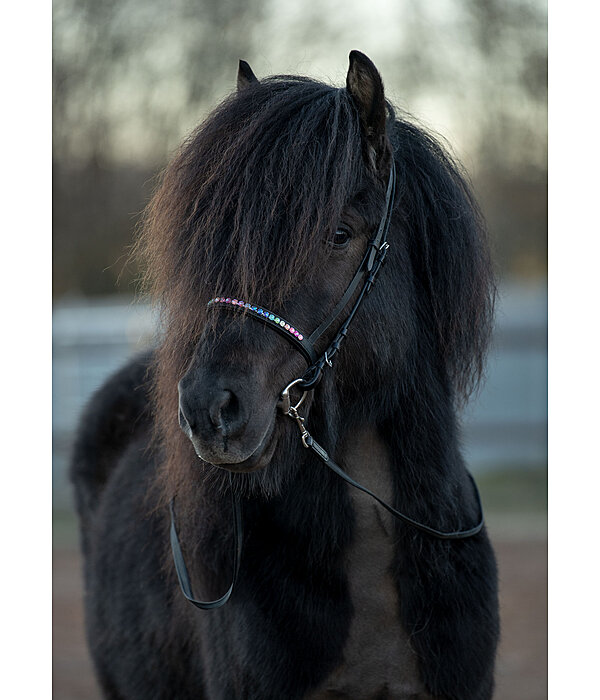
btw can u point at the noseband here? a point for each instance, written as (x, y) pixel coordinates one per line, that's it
(366, 273)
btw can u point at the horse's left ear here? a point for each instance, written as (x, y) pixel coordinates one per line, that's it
(245, 76)
(364, 84)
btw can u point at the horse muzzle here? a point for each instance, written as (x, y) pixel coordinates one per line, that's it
(229, 422)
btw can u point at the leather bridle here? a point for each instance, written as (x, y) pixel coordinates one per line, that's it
(366, 273)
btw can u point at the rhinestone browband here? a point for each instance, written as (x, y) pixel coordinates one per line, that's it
(260, 312)
(302, 343)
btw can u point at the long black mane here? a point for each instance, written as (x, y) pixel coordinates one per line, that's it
(254, 188)
(449, 251)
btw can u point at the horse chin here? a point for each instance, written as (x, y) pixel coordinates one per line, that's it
(258, 459)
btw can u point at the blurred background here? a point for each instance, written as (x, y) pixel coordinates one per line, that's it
(132, 78)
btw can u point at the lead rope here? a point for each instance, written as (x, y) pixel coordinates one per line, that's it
(181, 568)
(309, 442)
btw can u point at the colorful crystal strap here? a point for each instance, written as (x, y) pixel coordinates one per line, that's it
(274, 321)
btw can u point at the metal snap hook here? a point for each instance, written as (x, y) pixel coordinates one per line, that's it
(286, 402)
(292, 411)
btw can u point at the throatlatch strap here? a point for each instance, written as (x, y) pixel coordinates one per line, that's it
(181, 568)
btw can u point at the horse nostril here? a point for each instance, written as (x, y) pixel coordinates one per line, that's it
(224, 409)
(207, 414)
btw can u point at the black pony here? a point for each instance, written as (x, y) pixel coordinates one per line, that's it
(273, 200)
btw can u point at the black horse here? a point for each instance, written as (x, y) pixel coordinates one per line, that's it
(272, 203)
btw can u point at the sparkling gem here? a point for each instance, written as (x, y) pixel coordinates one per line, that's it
(300, 336)
(287, 326)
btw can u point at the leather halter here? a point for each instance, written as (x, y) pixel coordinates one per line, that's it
(366, 273)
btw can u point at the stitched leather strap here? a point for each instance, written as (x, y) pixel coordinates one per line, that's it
(181, 568)
(368, 260)
(310, 442)
(301, 343)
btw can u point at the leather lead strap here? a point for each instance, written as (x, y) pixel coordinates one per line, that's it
(181, 568)
(310, 442)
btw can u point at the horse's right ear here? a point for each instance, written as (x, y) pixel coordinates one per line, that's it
(245, 76)
(365, 86)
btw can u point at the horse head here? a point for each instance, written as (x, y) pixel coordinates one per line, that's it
(229, 393)
(270, 206)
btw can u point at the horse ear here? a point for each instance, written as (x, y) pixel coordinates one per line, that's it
(245, 76)
(365, 86)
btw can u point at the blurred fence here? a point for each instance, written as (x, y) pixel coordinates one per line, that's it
(505, 426)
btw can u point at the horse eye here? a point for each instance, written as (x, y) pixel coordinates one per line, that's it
(341, 238)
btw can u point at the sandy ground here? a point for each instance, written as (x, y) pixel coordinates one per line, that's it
(522, 659)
